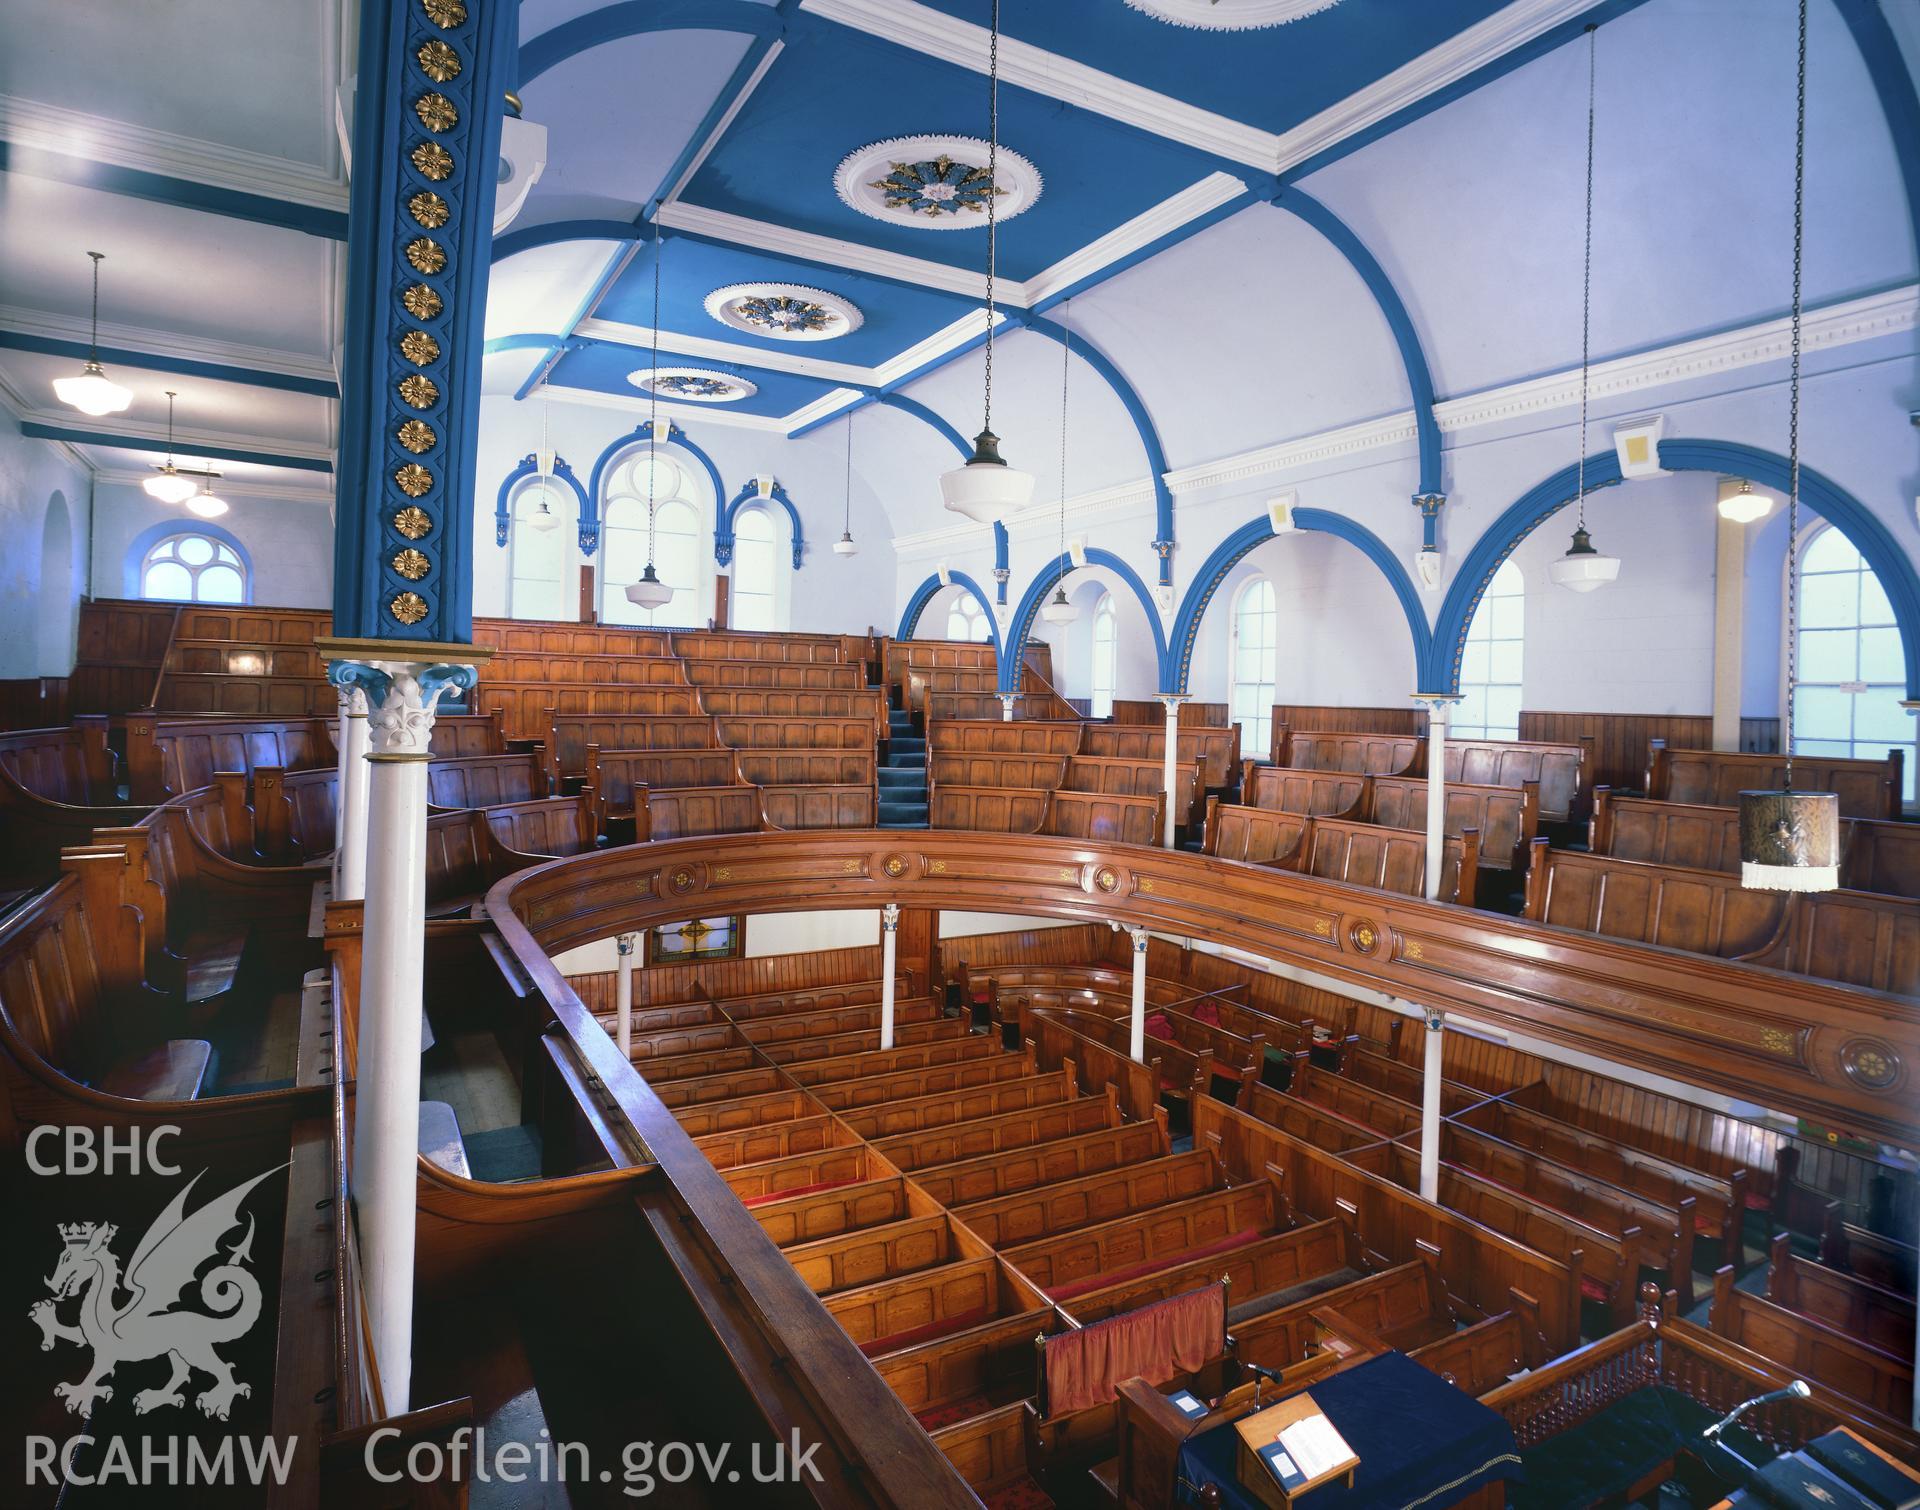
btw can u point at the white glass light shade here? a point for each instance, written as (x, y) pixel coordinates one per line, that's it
(206, 505)
(1583, 568)
(1059, 610)
(1746, 505)
(844, 546)
(543, 518)
(168, 485)
(92, 392)
(649, 591)
(985, 488)
(1428, 563)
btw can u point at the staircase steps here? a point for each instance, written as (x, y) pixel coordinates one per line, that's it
(903, 775)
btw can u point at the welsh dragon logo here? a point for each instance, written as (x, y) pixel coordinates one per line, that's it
(147, 1325)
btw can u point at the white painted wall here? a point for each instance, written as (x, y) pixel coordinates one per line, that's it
(289, 542)
(960, 925)
(45, 513)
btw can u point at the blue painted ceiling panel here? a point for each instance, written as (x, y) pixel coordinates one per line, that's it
(604, 369)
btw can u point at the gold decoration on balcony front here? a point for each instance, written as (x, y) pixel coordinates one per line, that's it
(419, 348)
(436, 112)
(421, 301)
(413, 479)
(416, 435)
(418, 390)
(426, 255)
(408, 607)
(429, 209)
(438, 61)
(445, 14)
(414, 522)
(433, 160)
(411, 564)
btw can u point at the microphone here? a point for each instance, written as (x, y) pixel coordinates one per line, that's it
(1795, 1391)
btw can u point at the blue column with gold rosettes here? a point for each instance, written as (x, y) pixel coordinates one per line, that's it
(428, 103)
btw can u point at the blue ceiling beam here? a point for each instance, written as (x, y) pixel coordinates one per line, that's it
(75, 436)
(1393, 309)
(1887, 69)
(147, 361)
(182, 193)
(634, 18)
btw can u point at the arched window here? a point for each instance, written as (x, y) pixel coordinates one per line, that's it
(756, 571)
(967, 620)
(538, 553)
(1106, 659)
(1852, 674)
(1489, 706)
(1254, 654)
(677, 537)
(192, 568)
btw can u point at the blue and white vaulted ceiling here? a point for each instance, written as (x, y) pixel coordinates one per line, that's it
(721, 124)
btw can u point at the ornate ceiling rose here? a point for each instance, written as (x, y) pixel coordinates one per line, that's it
(1231, 15)
(936, 183)
(693, 385)
(784, 311)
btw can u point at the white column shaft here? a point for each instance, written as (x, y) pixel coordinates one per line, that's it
(350, 860)
(889, 952)
(623, 996)
(1006, 709)
(1436, 797)
(1430, 1113)
(1137, 1020)
(1169, 769)
(386, 1127)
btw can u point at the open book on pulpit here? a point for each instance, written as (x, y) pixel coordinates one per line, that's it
(1291, 1448)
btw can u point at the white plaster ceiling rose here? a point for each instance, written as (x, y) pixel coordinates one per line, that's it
(784, 311)
(935, 183)
(1231, 15)
(692, 385)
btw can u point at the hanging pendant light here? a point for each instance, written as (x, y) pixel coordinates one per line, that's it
(1790, 841)
(985, 488)
(650, 592)
(167, 484)
(93, 392)
(844, 546)
(1746, 505)
(204, 503)
(543, 517)
(1060, 609)
(1583, 568)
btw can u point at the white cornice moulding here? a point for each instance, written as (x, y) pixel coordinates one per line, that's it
(230, 486)
(1124, 240)
(820, 408)
(724, 124)
(165, 344)
(1025, 66)
(1864, 319)
(829, 250)
(188, 445)
(687, 414)
(937, 345)
(33, 126)
(708, 349)
(1434, 70)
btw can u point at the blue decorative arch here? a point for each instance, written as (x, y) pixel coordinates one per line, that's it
(1541, 502)
(1412, 355)
(723, 520)
(637, 436)
(1101, 363)
(1229, 553)
(1887, 69)
(529, 466)
(632, 18)
(1050, 576)
(921, 412)
(923, 595)
(153, 534)
(554, 232)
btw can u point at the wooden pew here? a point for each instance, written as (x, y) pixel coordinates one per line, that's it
(485, 780)
(1362, 1105)
(948, 1108)
(829, 1213)
(982, 736)
(870, 1255)
(817, 733)
(1254, 835)
(1134, 778)
(1854, 937)
(960, 1376)
(56, 787)
(621, 778)
(785, 807)
(1257, 1268)
(1105, 1195)
(954, 1072)
(683, 812)
(763, 1142)
(533, 636)
(1360, 754)
(1027, 706)
(1215, 751)
(1105, 818)
(1484, 1356)
(892, 1314)
(1866, 788)
(1881, 1317)
(1872, 1256)
(995, 809)
(1880, 856)
(987, 1135)
(1098, 1049)
(988, 1176)
(456, 734)
(806, 767)
(1310, 793)
(170, 756)
(1310, 1121)
(1703, 912)
(1141, 1243)
(1388, 859)
(1557, 771)
(1506, 818)
(1406, 1307)
(784, 676)
(955, 768)
(778, 702)
(1880, 1381)
(546, 826)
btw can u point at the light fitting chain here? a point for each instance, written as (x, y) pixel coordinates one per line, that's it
(993, 195)
(1793, 399)
(1066, 368)
(1586, 283)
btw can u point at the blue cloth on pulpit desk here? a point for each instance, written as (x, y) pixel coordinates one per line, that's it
(1422, 1443)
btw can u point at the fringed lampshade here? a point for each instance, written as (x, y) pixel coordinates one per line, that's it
(1789, 841)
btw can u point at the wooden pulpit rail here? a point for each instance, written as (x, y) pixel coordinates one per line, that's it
(1791, 1042)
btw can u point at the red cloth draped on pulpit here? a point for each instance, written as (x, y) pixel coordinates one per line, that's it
(1177, 1335)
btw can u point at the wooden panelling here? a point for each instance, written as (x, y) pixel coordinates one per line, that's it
(1215, 751)
(1703, 912)
(1308, 718)
(819, 806)
(684, 812)
(992, 737)
(1006, 810)
(1361, 754)
(1310, 793)
(1104, 818)
(483, 780)
(954, 768)
(1192, 715)
(1616, 743)
(1866, 788)
(1506, 818)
